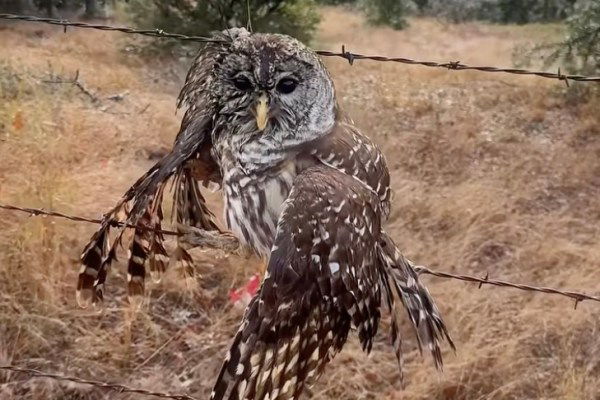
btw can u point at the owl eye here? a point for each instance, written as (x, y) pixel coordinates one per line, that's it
(287, 85)
(242, 83)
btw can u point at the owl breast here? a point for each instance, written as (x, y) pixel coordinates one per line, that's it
(253, 203)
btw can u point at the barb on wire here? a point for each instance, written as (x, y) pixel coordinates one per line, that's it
(577, 296)
(33, 373)
(38, 211)
(351, 57)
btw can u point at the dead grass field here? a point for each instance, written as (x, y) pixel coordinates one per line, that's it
(492, 173)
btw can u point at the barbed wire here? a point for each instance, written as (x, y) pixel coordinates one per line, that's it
(458, 66)
(41, 212)
(117, 387)
(577, 296)
(347, 55)
(350, 57)
(157, 33)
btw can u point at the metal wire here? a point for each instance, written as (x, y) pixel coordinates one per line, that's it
(457, 66)
(145, 32)
(33, 373)
(349, 56)
(38, 211)
(577, 296)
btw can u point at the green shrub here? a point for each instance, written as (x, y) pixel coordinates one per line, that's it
(499, 11)
(297, 18)
(389, 12)
(579, 52)
(335, 2)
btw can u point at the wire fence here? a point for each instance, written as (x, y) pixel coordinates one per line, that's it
(350, 57)
(347, 55)
(157, 33)
(577, 296)
(41, 212)
(115, 387)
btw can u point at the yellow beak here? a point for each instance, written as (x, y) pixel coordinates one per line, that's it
(262, 112)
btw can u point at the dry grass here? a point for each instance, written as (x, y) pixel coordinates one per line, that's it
(491, 173)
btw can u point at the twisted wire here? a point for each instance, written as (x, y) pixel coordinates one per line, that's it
(458, 66)
(41, 212)
(577, 296)
(117, 387)
(145, 32)
(349, 56)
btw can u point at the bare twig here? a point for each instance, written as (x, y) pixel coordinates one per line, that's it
(118, 97)
(77, 83)
(143, 110)
(102, 385)
(351, 57)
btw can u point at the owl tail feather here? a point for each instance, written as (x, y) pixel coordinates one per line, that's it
(401, 282)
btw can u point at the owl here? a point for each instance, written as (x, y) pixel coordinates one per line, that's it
(303, 188)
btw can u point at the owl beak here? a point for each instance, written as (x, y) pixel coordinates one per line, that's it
(262, 111)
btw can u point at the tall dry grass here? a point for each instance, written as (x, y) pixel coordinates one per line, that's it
(492, 173)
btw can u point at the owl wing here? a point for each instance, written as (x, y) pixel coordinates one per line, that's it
(321, 278)
(189, 161)
(142, 206)
(349, 151)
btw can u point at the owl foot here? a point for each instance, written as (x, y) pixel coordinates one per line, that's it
(196, 237)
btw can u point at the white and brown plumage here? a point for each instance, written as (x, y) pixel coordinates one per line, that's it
(304, 189)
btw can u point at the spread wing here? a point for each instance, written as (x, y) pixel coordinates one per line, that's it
(188, 162)
(321, 279)
(329, 268)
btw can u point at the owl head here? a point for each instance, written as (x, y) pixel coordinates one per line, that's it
(269, 93)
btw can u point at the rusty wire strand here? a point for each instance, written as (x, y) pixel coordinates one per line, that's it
(349, 56)
(577, 296)
(41, 212)
(33, 373)
(458, 66)
(159, 33)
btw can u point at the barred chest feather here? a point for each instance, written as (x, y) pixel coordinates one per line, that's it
(253, 203)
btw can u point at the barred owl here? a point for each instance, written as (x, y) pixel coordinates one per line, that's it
(302, 188)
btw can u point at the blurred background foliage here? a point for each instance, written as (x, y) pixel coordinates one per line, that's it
(578, 52)
(580, 49)
(298, 18)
